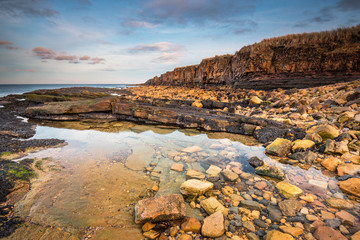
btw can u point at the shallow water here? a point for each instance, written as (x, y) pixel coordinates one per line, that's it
(102, 173)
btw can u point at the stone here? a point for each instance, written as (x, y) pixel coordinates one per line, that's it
(293, 231)
(327, 233)
(348, 157)
(195, 187)
(148, 226)
(325, 131)
(332, 147)
(346, 218)
(185, 236)
(356, 236)
(290, 207)
(302, 145)
(249, 204)
(339, 203)
(277, 235)
(260, 185)
(351, 186)
(274, 213)
(348, 169)
(256, 162)
(249, 226)
(212, 205)
(195, 174)
(213, 225)
(333, 223)
(280, 147)
(213, 170)
(173, 231)
(307, 198)
(327, 215)
(192, 149)
(229, 175)
(255, 101)
(346, 116)
(319, 184)
(307, 157)
(316, 138)
(331, 163)
(288, 190)
(151, 234)
(311, 217)
(197, 104)
(252, 236)
(177, 167)
(270, 171)
(164, 208)
(191, 225)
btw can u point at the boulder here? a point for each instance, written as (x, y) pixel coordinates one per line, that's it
(339, 203)
(164, 208)
(277, 235)
(351, 186)
(288, 190)
(327, 233)
(195, 187)
(270, 171)
(212, 205)
(331, 163)
(280, 147)
(213, 225)
(191, 225)
(302, 145)
(325, 131)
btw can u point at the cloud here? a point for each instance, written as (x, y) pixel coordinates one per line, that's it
(5, 42)
(139, 24)
(85, 2)
(20, 8)
(156, 47)
(46, 53)
(12, 48)
(348, 5)
(26, 70)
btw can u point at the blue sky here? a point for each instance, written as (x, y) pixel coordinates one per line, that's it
(130, 41)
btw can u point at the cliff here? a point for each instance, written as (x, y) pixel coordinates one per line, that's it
(298, 60)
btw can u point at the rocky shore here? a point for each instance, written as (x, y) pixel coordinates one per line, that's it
(313, 128)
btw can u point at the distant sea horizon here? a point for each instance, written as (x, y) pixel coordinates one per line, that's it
(7, 89)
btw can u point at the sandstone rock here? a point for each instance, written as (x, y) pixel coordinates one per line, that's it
(325, 131)
(151, 234)
(195, 174)
(195, 187)
(213, 225)
(307, 157)
(191, 225)
(288, 190)
(351, 158)
(316, 138)
(197, 104)
(148, 226)
(270, 171)
(327, 233)
(356, 236)
(293, 231)
(177, 167)
(332, 147)
(260, 185)
(229, 175)
(346, 116)
(290, 207)
(213, 170)
(277, 235)
(348, 169)
(212, 205)
(164, 208)
(346, 218)
(351, 186)
(280, 147)
(331, 163)
(184, 236)
(302, 145)
(339, 203)
(255, 101)
(192, 149)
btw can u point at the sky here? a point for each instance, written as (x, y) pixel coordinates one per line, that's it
(131, 41)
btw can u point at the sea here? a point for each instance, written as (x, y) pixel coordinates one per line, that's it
(7, 89)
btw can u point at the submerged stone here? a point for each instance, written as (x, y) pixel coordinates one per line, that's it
(212, 205)
(288, 190)
(213, 225)
(195, 187)
(270, 171)
(351, 186)
(277, 235)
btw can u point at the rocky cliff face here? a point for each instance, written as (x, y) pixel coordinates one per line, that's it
(301, 60)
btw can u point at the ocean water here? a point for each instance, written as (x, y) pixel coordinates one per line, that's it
(7, 89)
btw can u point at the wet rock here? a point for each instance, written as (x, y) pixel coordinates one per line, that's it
(356, 236)
(331, 163)
(332, 147)
(164, 208)
(249, 226)
(255, 101)
(270, 171)
(192, 149)
(184, 236)
(251, 205)
(191, 225)
(280, 147)
(268, 134)
(348, 157)
(152, 234)
(197, 104)
(308, 157)
(325, 131)
(316, 138)
(277, 235)
(213, 170)
(195, 174)
(293, 231)
(288, 190)
(351, 186)
(195, 187)
(260, 185)
(348, 169)
(256, 162)
(148, 226)
(177, 167)
(212, 205)
(229, 175)
(252, 236)
(339, 203)
(302, 145)
(260, 223)
(213, 225)
(326, 233)
(290, 207)
(346, 116)
(346, 218)
(241, 187)
(333, 223)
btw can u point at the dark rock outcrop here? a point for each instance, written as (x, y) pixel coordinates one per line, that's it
(299, 60)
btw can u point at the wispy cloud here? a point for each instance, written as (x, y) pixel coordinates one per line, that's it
(139, 24)
(21, 8)
(26, 70)
(5, 42)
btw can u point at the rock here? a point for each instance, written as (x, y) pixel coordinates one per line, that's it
(332, 147)
(327, 233)
(151, 234)
(249, 226)
(195, 174)
(356, 236)
(195, 187)
(251, 205)
(307, 198)
(339, 203)
(293, 231)
(290, 207)
(325, 131)
(255, 101)
(274, 213)
(192, 149)
(348, 169)
(348, 157)
(277, 235)
(346, 217)
(184, 236)
(302, 145)
(288, 190)
(229, 175)
(267, 134)
(148, 226)
(331, 163)
(280, 147)
(213, 170)
(164, 208)
(270, 171)
(213, 225)
(307, 157)
(197, 104)
(351, 186)
(260, 185)
(241, 187)
(316, 138)
(212, 205)
(177, 167)
(256, 162)
(322, 185)
(346, 116)
(191, 225)
(333, 223)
